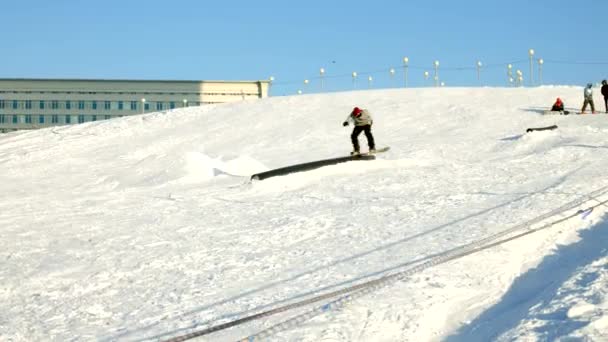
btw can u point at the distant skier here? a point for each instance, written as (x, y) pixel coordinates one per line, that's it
(588, 93)
(363, 122)
(558, 106)
(605, 93)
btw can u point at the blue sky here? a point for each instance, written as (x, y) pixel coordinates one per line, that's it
(251, 40)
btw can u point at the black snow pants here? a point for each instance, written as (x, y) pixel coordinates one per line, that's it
(367, 129)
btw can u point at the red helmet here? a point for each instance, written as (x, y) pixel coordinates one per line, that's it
(558, 100)
(356, 111)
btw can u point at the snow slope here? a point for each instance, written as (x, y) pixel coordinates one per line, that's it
(146, 227)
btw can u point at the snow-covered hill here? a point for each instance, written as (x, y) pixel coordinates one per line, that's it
(146, 227)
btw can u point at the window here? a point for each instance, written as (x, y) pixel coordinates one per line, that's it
(68, 119)
(15, 104)
(80, 104)
(54, 119)
(80, 118)
(133, 105)
(107, 117)
(54, 104)
(68, 105)
(15, 119)
(28, 104)
(94, 105)
(2, 118)
(28, 118)
(94, 118)
(41, 119)
(159, 106)
(121, 105)
(41, 104)
(147, 106)
(172, 105)
(106, 105)
(1, 104)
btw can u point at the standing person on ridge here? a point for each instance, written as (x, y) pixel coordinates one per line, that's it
(605, 93)
(588, 93)
(363, 122)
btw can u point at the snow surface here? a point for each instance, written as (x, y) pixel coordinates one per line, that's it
(146, 227)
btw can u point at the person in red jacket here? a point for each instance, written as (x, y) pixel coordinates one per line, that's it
(605, 93)
(363, 123)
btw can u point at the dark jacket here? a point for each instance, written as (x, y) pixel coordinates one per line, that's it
(605, 90)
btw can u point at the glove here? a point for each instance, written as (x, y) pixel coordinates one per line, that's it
(345, 123)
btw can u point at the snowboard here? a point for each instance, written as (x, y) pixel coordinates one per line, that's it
(554, 112)
(379, 150)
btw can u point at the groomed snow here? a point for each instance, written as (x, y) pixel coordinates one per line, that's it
(146, 227)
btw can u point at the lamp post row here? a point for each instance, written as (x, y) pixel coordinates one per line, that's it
(518, 79)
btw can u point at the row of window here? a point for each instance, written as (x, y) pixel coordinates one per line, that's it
(50, 119)
(81, 105)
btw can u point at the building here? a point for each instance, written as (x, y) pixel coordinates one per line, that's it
(39, 103)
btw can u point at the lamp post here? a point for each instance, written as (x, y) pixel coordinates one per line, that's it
(510, 74)
(322, 73)
(306, 85)
(426, 76)
(520, 77)
(270, 79)
(391, 72)
(479, 72)
(540, 71)
(354, 79)
(299, 92)
(369, 81)
(406, 61)
(143, 106)
(185, 103)
(436, 77)
(531, 54)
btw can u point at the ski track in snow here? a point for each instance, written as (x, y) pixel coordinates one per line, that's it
(146, 227)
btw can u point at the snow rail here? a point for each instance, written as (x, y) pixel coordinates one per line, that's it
(532, 129)
(350, 293)
(308, 166)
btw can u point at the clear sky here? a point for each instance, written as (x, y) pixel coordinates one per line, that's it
(291, 41)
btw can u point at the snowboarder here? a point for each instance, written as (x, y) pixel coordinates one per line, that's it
(605, 93)
(362, 120)
(558, 106)
(588, 93)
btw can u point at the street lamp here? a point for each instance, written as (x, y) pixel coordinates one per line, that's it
(270, 79)
(299, 92)
(436, 74)
(143, 105)
(479, 71)
(306, 84)
(354, 79)
(406, 61)
(185, 101)
(540, 71)
(322, 72)
(391, 71)
(531, 54)
(520, 77)
(510, 74)
(369, 81)
(426, 76)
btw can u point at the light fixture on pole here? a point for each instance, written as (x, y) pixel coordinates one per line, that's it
(406, 62)
(442, 84)
(143, 106)
(306, 85)
(510, 74)
(531, 54)
(322, 73)
(391, 71)
(369, 81)
(270, 80)
(185, 103)
(299, 92)
(426, 76)
(479, 71)
(436, 77)
(540, 71)
(520, 77)
(354, 79)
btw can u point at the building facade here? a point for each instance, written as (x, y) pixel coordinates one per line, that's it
(39, 103)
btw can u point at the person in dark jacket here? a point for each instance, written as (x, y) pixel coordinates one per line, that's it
(363, 123)
(605, 93)
(558, 106)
